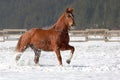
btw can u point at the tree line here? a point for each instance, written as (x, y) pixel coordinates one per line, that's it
(44, 13)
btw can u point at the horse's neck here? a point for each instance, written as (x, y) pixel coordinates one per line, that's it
(60, 27)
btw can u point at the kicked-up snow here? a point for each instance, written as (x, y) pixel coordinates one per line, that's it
(93, 60)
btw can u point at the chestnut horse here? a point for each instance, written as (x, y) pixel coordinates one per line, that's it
(53, 39)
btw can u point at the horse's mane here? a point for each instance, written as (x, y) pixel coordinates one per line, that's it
(49, 27)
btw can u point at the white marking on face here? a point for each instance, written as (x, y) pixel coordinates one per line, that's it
(71, 15)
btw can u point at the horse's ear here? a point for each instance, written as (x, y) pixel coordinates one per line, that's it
(69, 10)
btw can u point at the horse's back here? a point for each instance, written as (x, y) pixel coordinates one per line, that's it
(40, 33)
(41, 39)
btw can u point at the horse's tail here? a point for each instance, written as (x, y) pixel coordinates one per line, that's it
(18, 45)
(23, 42)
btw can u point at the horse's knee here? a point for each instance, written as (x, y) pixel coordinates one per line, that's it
(60, 58)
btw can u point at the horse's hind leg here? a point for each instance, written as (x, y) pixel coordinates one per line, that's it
(37, 54)
(19, 53)
(17, 56)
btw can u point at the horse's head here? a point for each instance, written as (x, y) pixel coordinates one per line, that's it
(69, 17)
(66, 20)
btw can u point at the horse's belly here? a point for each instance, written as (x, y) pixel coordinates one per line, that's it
(46, 48)
(44, 45)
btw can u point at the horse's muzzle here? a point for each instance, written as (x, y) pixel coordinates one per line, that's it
(73, 24)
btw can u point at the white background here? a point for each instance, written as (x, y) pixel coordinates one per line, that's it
(93, 60)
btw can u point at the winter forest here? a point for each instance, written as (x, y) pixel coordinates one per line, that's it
(44, 13)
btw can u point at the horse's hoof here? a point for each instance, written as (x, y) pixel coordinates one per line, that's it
(17, 56)
(60, 65)
(37, 64)
(68, 61)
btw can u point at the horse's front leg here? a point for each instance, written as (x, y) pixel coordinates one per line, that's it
(37, 55)
(57, 51)
(68, 47)
(71, 53)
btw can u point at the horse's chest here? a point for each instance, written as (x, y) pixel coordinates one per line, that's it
(63, 38)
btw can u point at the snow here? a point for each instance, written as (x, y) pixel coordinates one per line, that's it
(93, 60)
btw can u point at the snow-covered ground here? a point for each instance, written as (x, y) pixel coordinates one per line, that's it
(93, 60)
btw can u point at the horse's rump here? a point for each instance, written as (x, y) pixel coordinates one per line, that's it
(23, 42)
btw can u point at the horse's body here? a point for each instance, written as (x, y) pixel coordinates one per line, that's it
(53, 39)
